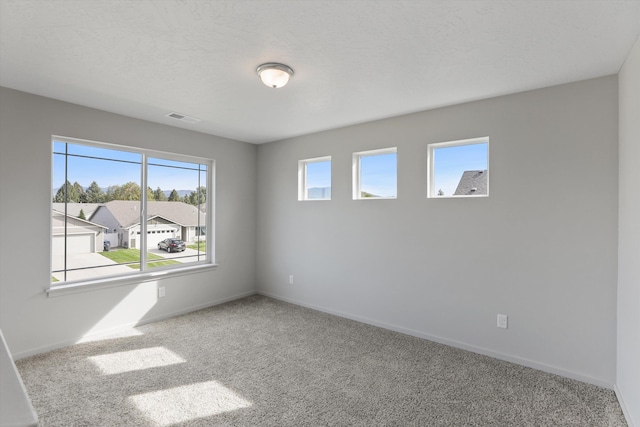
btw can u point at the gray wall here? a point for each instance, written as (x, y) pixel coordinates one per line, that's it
(628, 377)
(33, 322)
(541, 249)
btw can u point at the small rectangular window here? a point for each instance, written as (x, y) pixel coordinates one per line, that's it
(458, 168)
(314, 179)
(375, 174)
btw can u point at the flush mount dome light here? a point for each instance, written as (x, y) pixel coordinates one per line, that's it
(274, 75)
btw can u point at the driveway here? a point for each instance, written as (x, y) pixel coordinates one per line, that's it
(82, 261)
(188, 255)
(109, 267)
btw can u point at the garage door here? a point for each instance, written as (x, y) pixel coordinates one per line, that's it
(76, 244)
(153, 237)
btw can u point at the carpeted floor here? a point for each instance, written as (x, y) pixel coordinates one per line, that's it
(262, 362)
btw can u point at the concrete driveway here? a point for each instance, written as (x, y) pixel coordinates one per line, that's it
(82, 261)
(109, 267)
(188, 255)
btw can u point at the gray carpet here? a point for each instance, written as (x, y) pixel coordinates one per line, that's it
(262, 362)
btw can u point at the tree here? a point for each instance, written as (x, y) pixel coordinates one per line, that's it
(94, 193)
(128, 191)
(78, 192)
(68, 193)
(174, 197)
(150, 195)
(61, 194)
(197, 197)
(159, 195)
(81, 215)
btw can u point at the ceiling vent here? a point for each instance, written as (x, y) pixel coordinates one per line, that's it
(183, 118)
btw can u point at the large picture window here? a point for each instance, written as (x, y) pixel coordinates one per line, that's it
(120, 211)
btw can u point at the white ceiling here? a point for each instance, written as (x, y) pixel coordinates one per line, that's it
(354, 61)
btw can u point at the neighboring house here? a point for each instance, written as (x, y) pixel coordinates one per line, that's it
(472, 183)
(82, 236)
(164, 220)
(73, 209)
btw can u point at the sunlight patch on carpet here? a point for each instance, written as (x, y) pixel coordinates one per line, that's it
(188, 402)
(135, 360)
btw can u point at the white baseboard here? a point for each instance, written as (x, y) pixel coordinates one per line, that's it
(125, 326)
(457, 344)
(623, 405)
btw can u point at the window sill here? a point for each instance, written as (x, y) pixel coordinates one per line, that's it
(376, 198)
(461, 196)
(136, 278)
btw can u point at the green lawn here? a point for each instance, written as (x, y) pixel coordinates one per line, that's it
(202, 246)
(122, 256)
(155, 264)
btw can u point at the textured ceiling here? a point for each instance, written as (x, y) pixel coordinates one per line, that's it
(354, 61)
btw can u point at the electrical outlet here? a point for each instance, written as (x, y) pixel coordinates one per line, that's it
(291, 279)
(503, 320)
(161, 292)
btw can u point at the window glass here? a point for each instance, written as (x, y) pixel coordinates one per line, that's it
(375, 175)
(314, 179)
(177, 208)
(459, 168)
(98, 228)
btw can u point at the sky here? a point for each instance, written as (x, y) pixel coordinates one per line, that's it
(319, 174)
(379, 172)
(115, 167)
(379, 175)
(451, 162)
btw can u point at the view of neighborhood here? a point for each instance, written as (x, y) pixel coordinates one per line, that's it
(100, 229)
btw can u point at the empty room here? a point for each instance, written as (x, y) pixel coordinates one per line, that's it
(319, 213)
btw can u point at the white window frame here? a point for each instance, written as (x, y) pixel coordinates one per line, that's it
(303, 194)
(431, 190)
(356, 170)
(144, 274)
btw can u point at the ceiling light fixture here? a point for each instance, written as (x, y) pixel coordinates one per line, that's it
(274, 75)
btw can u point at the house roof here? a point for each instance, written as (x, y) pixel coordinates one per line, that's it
(472, 183)
(75, 217)
(127, 212)
(73, 209)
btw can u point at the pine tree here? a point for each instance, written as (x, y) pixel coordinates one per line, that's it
(78, 194)
(61, 194)
(81, 215)
(94, 193)
(68, 193)
(174, 197)
(159, 195)
(197, 197)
